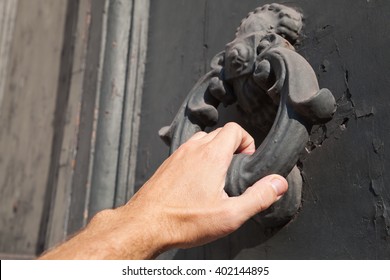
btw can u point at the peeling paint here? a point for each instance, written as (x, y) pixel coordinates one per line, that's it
(382, 210)
(361, 113)
(378, 145)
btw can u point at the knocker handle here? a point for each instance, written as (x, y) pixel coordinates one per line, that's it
(260, 65)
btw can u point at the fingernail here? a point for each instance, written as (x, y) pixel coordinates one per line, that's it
(279, 186)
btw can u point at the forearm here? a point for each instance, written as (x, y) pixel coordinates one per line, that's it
(112, 234)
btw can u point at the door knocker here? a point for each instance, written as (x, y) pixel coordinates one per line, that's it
(275, 88)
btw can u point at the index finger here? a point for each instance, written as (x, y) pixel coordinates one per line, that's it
(233, 138)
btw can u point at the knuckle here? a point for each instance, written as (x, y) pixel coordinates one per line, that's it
(197, 136)
(265, 199)
(232, 125)
(262, 203)
(186, 147)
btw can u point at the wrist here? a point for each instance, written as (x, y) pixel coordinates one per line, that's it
(127, 234)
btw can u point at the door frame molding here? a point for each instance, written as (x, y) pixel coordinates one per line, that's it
(96, 166)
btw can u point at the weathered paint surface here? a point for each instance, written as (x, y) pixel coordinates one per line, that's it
(79, 74)
(26, 122)
(345, 212)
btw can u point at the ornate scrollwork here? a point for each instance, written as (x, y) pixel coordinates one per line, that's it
(276, 89)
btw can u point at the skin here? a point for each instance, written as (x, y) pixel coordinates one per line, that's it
(182, 205)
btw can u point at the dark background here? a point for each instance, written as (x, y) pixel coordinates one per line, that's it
(345, 211)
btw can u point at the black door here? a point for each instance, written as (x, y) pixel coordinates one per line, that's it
(345, 205)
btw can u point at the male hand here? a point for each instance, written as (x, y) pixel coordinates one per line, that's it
(183, 204)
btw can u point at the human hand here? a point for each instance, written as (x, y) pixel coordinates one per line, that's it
(186, 196)
(184, 203)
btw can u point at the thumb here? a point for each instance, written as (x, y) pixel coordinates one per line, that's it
(260, 196)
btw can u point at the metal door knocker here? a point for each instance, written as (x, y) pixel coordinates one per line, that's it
(275, 88)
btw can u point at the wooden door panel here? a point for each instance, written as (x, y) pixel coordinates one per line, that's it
(344, 213)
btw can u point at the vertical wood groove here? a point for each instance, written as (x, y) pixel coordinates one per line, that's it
(132, 103)
(7, 22)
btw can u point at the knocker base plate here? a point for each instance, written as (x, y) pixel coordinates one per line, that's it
(275, 89)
